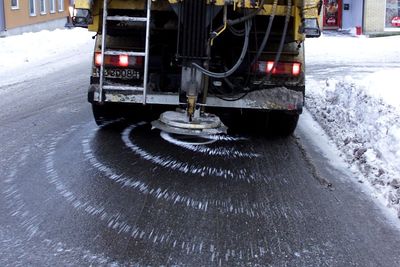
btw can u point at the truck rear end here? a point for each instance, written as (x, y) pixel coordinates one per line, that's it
(199, 58)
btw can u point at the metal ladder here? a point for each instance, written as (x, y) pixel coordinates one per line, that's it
(105, 51)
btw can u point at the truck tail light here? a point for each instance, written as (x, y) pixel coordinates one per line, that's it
(123, 61)
(97, 59)
(118, 60)
(296, 69)
(281, 68)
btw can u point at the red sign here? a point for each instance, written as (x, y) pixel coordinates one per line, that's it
(396, 22)
(332, 13)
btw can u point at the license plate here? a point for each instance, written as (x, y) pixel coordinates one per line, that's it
(120, 73)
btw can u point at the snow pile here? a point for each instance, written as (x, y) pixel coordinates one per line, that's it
(385, 84)
(362, 116)
(32, 54)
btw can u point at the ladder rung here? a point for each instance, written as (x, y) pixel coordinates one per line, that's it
(120, 52)
(127, 18)
(123, 88)
(145, 53)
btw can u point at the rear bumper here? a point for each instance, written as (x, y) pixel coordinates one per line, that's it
(278, 98)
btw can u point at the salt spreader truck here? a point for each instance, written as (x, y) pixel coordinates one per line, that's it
(199, 58)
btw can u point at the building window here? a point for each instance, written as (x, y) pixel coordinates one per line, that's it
(60, 5)
(32, 8)
(14, 4)
(392, 15)
(52, 6)
(42, 7)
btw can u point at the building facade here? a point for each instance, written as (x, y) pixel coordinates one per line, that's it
(382, 16)
(372, 16)
(2, 19)
(33, 15)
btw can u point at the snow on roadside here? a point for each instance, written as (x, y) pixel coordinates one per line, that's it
(361, 116)
(35, 54)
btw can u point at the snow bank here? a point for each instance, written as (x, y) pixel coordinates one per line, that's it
(37, 47)
(32, 54)
(361, 116)
(385, 84)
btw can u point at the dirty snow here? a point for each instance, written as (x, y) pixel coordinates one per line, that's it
(353, 93)
(360, 112)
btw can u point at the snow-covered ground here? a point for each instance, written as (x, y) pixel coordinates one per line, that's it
(358, 106)
(36, 54)
(353, 92)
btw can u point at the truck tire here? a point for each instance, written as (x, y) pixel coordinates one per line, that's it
(105, 114)
(282, 124)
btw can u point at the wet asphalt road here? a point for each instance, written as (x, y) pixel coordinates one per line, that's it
(74, 194)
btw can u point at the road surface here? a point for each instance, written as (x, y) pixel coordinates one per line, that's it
(74, 194)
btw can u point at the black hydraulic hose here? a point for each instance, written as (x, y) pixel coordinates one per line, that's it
(282, 43)
(225, 74)
(236, 32)
(267, 33)
(248, 16)
(280, 48)
(244, 18)
(247, 19)
(232, 99)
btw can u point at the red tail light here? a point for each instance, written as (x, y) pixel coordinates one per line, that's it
(270, 67)
(281, 68)
(97, 59)
(118, 60)
(123, 61)
(296, 69)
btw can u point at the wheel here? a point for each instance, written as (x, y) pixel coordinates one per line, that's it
(105, 114)
(282, 124)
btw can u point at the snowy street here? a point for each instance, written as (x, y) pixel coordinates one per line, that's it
(74, 194)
